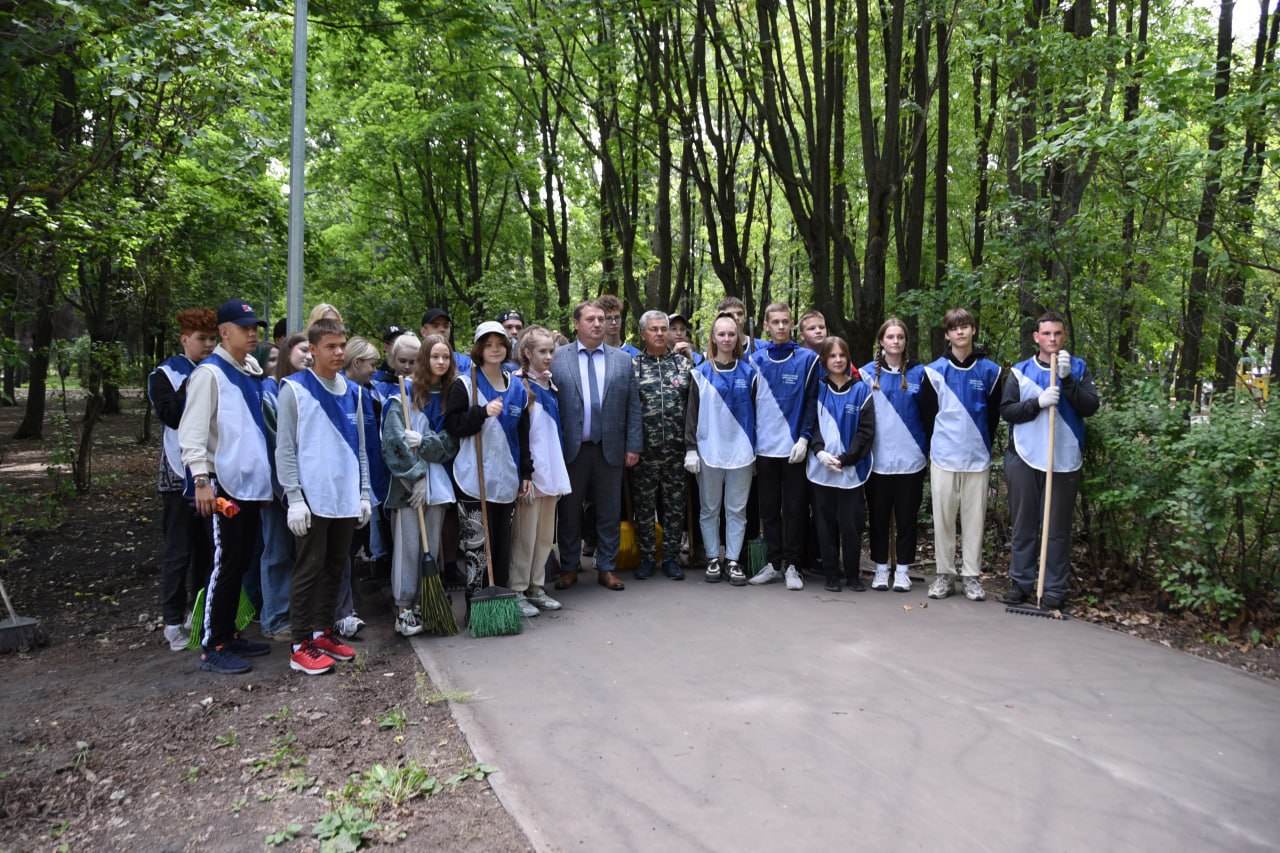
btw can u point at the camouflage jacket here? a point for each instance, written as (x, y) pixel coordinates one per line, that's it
(664, 391)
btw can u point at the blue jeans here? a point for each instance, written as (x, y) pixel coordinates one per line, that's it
(276, 568)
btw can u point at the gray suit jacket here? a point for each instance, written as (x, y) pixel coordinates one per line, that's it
(620, 426)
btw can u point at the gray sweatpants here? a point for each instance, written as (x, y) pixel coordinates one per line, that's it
(1026, 506)
(406, 555)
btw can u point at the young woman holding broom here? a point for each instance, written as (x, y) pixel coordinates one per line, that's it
(476, 414)
(534, 527)
(416, 454)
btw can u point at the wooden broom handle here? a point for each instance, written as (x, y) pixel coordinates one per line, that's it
(422, 521)
(1048, 485)
(484, 506)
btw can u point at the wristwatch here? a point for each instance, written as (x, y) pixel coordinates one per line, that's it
(201, 481)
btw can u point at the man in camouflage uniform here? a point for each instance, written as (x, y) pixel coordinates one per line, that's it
(663, 380)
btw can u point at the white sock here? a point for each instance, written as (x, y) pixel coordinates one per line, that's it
(882, 567)
(902, 570)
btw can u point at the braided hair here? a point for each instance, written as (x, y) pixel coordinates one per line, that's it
(881, 363)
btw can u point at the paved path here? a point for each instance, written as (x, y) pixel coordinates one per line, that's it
(691, 716)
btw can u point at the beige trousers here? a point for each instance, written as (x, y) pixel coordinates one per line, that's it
(965, 493)
(533, 532)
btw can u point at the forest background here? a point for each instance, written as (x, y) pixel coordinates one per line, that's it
(1112, 160)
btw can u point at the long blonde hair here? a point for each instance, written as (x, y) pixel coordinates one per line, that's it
(880, 360)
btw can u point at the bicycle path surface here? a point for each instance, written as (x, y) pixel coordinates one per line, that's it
(695, 716)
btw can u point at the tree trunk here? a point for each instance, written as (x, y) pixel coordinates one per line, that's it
(32, 425)
(942, 242)
(1199, 292)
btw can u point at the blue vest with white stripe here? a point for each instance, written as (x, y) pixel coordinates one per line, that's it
(961, 437)
(241, 463)
(786, 374)
(900, 446)
(328, 446)
(176, 370)
(379, 475)
(1031, 439)
(439, 483)
(838, 415)
(500, 438)
(726, 430)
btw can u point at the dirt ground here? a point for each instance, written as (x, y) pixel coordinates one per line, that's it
(110, 740)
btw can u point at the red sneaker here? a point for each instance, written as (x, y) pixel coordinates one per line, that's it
(310, 660)
(333, 647)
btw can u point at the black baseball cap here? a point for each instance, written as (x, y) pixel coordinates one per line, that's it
(392, 332)
(239, 312)
(434, 314)
(510, 314)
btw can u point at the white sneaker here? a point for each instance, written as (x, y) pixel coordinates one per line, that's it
(349, 626)
(542, 601)
(794, 580)
(942, 586)
(176, 637)
(766, 575)
(526, 606)
(973, 588)
(901, 581)
(881, 580)
(408, 623)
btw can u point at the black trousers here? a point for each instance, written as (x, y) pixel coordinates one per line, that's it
(317, 575)
(896, 498)
(839, 514)
(499, 517)
(783, 489)
(187, 551)
(234, 541)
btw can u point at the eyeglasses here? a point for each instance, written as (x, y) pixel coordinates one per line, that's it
(613, 320)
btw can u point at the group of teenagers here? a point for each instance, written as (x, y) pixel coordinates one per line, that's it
(312, 437)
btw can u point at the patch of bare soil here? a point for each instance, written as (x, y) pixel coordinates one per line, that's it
(109, 739)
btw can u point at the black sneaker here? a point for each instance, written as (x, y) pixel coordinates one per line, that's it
(1015, 595)
(857, 584)
(713, 572)
(737, 577)
(1051, 602)
(832, 584)
(222, 661)
(645, 570)
(672, 569)
(246, 648)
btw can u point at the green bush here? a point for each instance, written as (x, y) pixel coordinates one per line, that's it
(1190, 508)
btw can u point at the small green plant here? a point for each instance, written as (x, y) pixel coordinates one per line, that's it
(344, 828)
(479, 773)
(285, 835)
(58, 829)
(390, 786)
(428, 695)
(238, 805)
(279, 716)
(192, 773)
(1255, 637)
(228, 739)
(287, 755)
(393, 719)
(299, 782)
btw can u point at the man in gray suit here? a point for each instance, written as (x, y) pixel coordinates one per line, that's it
(600, 432)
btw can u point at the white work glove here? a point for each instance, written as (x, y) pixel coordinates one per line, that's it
(366, 512)
(1064, 364)
(798, 450)
(830, 461)
(412, 438)
(691, 463)
(1049, 397)
(419, 494)
(299, 519)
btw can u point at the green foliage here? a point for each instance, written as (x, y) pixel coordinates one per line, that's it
(390, 787)
(343, 829)
(1192, 508)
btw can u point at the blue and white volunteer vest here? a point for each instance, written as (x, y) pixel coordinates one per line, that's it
(379, 475)
(241, 464)
(961, 438)
(328, 446)
(901, 446)
(838, 416)
(550, 475)
(271, 389)
(726, 430)
(500, 438)
(1031, 439)
(786, 376)
(176, 370)
(439, 484)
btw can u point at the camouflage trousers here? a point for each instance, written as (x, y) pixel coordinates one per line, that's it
(658, 483)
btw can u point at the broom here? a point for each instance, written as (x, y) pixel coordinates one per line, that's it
(19, 633)
(1036, 609)
(245, 612)
(494, 611)
(436, 610)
